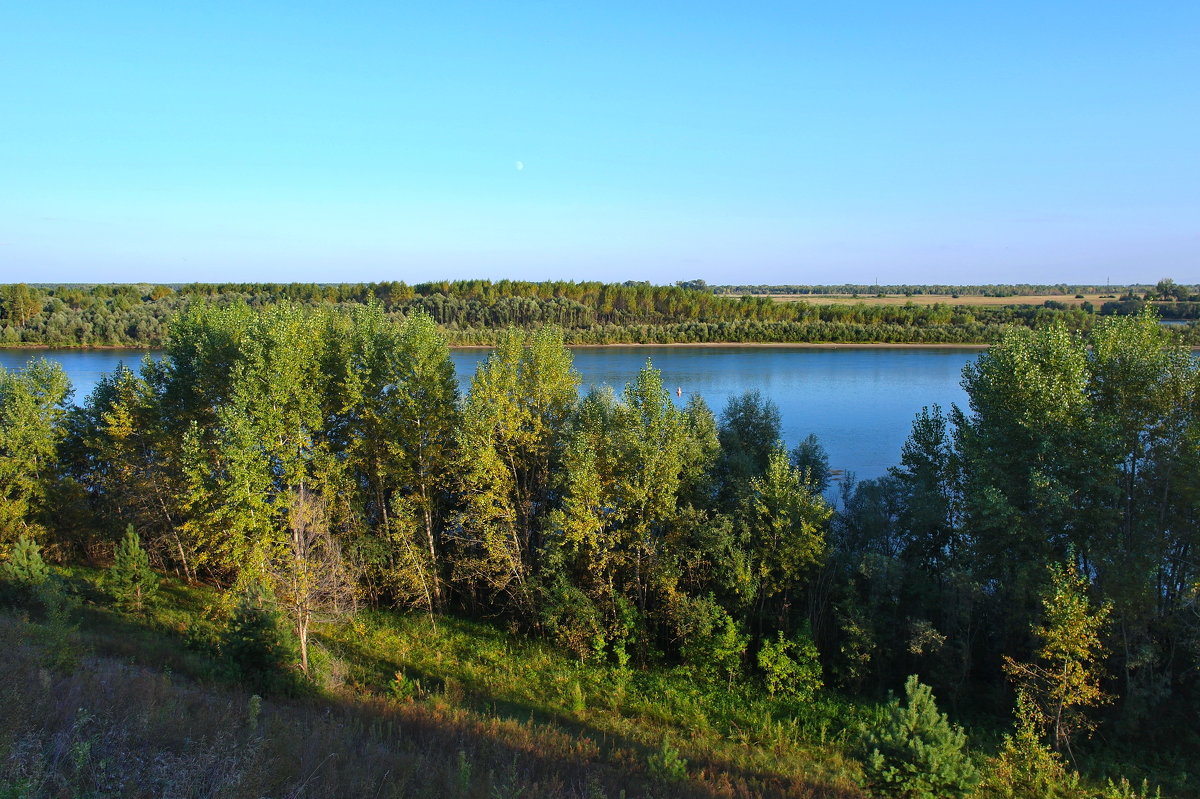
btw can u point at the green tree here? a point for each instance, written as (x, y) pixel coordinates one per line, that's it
(130, 580)
(512, 440)
(31, 427)
(20, 303)
(811, 460)
(928, 475)
(422, 407)
(117, 449)
(1095, 448)
(650, 439)
(392, 419)
(703, 449)
(916, 753)
(1168, 289)
(712, 642)
(1025, 767)
(1035, 480)
(24, 570)
(619, 530)
(256, 644)
(749, 430)
(1064, 681)
(1143, 390)
(787, 525)
(267, 440)
(791, 666)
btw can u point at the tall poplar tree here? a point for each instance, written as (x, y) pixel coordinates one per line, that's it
(512, 439)
(628, 469)
(420, 405)
(787, 525)
(267, 441)
(1033, 475)
(31, 427)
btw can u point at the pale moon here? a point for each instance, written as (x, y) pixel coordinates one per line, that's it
(520, 165)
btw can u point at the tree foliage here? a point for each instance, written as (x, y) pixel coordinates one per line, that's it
(1065, 680)
(32, 410)
(478, 311)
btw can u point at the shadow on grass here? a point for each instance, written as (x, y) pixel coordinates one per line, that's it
(458, 693)
(112, 728)
(459, 735)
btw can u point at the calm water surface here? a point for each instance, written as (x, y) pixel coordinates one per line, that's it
(859, 401)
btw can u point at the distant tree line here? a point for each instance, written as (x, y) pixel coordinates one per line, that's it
(1036, 549)
(1165, 289)
(477, 311)
(1183, 310)
(921, 289)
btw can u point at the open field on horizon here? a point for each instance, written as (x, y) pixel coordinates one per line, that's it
(947, 299)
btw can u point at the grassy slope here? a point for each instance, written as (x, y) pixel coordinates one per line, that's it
(144, 711)
(405, 707)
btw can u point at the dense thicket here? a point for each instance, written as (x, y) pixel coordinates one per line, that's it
(478, 312)
(1038, 545)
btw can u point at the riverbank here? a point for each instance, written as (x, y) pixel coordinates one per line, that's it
(76, 347)
(831, 345)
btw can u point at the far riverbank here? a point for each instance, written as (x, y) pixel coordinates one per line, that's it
(833, 345)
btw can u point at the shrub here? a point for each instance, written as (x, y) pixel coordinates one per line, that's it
(791, 667)
(712, 643)
(130, 580)
(573, 620)
(916, 753)
(59, 632)
(1026, 767)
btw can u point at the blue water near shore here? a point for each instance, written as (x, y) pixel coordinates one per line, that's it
(859, 401)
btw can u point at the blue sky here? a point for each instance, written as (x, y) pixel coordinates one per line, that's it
(772, 142)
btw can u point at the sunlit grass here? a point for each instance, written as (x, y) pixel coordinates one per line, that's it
(402, 704)
(486, 703)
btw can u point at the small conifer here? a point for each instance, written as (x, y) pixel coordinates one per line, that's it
(916, 752)
(24, 571)
(130, 580)
(257, 645)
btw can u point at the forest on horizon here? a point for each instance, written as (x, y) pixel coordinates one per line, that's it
(475, 312)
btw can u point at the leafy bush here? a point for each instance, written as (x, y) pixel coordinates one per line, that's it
(1026, 767)
(791, 666)
(573, 620)
(916, 753)
(712, 643)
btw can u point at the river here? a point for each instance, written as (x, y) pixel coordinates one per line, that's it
(860, 401)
